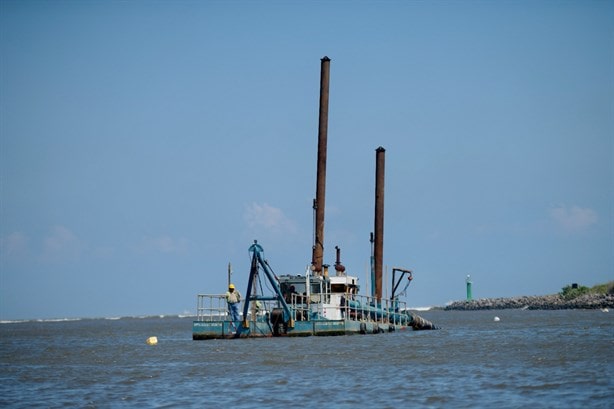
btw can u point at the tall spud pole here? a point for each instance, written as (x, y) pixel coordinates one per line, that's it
(378, 245)
(319, 203)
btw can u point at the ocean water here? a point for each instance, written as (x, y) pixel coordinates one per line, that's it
(537, 359)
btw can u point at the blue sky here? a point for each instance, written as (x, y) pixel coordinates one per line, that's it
(145, 145)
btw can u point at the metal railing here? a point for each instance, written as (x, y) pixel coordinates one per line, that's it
(356, 307)
(214, 307)
(211, 307)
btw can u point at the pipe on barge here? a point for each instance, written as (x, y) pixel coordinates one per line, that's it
(399, 317)
(378, 246)
(319, 202)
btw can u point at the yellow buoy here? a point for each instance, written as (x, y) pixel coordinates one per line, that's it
(152, 340)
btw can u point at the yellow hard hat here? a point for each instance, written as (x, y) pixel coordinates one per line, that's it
(231, 286)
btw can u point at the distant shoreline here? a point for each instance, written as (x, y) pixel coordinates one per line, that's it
(543, 302)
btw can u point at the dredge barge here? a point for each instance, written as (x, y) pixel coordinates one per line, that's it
(315, 303)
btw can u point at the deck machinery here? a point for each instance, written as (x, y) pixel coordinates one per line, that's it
(303, 305)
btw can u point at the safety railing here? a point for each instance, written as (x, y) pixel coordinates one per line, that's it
(211, 307)
(353, 307)
(300, 306)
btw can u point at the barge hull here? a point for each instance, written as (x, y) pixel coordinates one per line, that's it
(204, 330)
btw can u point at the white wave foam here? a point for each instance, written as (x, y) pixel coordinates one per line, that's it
(42, 320)
(58, 319)
(187, 314)
(420, 308)
(13, 321)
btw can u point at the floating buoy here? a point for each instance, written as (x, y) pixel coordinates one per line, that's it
(152, 340)
(497, 319)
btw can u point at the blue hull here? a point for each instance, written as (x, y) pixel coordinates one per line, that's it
(202, 330)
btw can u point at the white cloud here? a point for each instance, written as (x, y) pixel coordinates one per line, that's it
(61, 245)
(271, 219)
(14, 245)
(573, 218)
(163, 244)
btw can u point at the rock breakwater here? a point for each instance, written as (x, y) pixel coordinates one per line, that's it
(542, 302)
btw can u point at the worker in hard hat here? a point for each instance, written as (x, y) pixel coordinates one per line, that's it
(233, 297)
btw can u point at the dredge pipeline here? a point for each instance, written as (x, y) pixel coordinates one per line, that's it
(419, 323)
